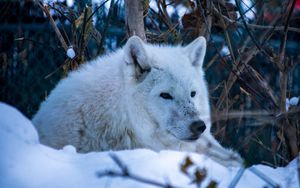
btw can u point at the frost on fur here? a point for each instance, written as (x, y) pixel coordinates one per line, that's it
(141, 96)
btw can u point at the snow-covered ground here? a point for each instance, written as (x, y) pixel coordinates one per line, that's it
(26, 163)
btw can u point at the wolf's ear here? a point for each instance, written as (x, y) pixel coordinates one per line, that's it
(196, 51)
(136, 56)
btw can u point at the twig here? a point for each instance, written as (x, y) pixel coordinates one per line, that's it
(59, 35)
(106, 24)
(250, 25)
(151, 17)
(248, 30)
(243, 60)
(72, 16)
(227, 38)
(281, 66)
(248, 138)
(120, 164)
(263, 177)
(235, 74)
(287, 127)
(258, 141)
(55, 71)
(58, 49)
(81, 42)
(236, 178)
(249, 8)
(278, 28)
(91, 16)
(239, 67)
(162, 7)
(127, 174)
(207, 23)
(64, 8)
(213, 60)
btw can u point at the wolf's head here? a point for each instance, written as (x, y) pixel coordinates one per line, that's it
(168, 87)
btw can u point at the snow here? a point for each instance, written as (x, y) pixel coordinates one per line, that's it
(70, 3)
(291, 102)
(70, 52)
(24, 162)
(294, 101)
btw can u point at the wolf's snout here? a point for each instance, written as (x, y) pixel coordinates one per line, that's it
(197, 127)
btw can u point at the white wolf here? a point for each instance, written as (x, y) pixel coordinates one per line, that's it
(141, 96)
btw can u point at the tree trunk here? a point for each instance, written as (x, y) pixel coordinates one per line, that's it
(134, 18)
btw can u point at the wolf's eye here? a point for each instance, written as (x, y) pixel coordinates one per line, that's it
(193, 93)
(166, 96)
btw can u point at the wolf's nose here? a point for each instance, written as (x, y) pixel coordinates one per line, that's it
(197, 127)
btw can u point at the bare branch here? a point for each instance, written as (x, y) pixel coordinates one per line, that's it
(206, 30)
(127, 174)
(60, 37)
(230, 22)
(263, 177)
(289, 130)
(228, 41)
(248, 30)
(162, 7)
(106, 23)
(236, 178)
(283, 76)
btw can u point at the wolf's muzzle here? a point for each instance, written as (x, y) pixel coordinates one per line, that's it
(197, 127)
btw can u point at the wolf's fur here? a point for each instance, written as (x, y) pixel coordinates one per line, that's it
(114, 102)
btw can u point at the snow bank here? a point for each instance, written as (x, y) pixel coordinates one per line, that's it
(26, 163)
